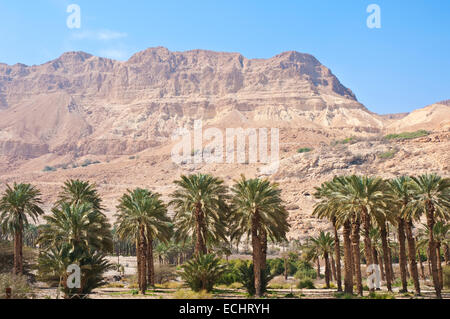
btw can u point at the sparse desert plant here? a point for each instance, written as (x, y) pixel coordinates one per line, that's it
(374, 295)
(388, 154)
(164, 274)
(304, 150)
(189, 294)
(407, 135)
(49, 169)
(202, 272)
(20, 288)
(247, 278)
(306, 284)
(446, 272)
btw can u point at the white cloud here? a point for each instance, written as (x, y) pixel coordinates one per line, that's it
(101, 35)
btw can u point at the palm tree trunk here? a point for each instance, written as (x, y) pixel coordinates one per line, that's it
(439, 264)
(333, 267)
(257, 254)
(142, 259)
(367, 241)
(318, 267)
(386, 259)
(422, 267)
(285, 268)
(402, 253)
(263, 237)
(327, 269)
(380, 262)
(412, 256)
(150, 264)
(356, 254)
(200, 245)
(391, 263)
(18, 252)
(432, 245)
(337, 252)
(348, 260)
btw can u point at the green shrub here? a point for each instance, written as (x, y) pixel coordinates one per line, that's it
(407, 135)
(446, 272)
(343, 295)
(304, 150)
(388, 155)
(202, 272)
(49, 169)
(348, 140)
(232, 274)
(164, 273)
(188, 294)
(305, 271)
(306, 284)
(20, 288)
(374, 295)
(247, 278)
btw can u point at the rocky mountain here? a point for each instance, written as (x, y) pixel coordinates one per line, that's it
(85, 104)
(111, 122)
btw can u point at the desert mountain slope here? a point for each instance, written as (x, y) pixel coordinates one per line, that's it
(78, 102)
(111, 122)
(432, 117)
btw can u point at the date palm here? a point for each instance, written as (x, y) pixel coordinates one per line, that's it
(143, 217)
(432, 199)
(77, 192)
(324, 245)
(78, 225)
(259, 214)
(17, 205)
(201, 210)
(325, 209)
(75, 233)
(333, 196)
(402, 189)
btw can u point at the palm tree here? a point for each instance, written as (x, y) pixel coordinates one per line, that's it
(432, 198)
(324, 245)
(77, 191)
(77, 225)
(440, 231)
(75, 233)
(143, 217)
(201, 210)
(402, 189)
(325, 209)
(258, 212)
(16, 205)
(53, 264)
(335, 197)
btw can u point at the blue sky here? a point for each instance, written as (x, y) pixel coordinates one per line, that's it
(401, 66)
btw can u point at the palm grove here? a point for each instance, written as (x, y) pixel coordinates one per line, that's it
(213, 217)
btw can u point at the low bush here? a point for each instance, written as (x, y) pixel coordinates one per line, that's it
(202, 272)
(407, 135)
(306, 284)
(374, 295)
(164, 273)
(446, 273)
(388, 155)
(304, 150)
(20, 288)
(189, 294)
(247, 278)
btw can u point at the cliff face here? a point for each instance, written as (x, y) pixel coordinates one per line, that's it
(110, 122)
(85, 104)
